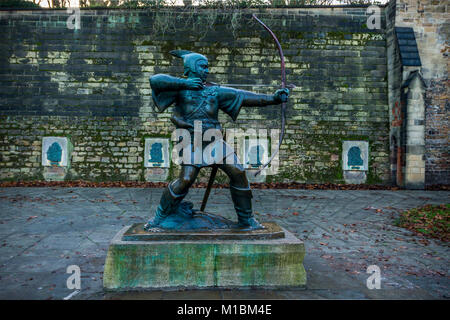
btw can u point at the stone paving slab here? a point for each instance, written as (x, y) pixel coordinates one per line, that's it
(44, 230)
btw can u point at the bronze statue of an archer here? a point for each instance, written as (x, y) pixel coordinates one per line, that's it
(197, 100)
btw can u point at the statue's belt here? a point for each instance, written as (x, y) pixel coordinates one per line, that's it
(189, 123)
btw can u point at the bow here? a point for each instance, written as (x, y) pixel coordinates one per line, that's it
(283, 85)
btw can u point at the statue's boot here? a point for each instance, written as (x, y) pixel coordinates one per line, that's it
(242, 199)
(168, 205)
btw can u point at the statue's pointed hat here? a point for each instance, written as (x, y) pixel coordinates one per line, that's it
(189, 59)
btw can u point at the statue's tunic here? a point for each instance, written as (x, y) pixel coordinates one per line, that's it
(202, 105)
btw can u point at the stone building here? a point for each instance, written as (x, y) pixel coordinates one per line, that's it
(418, 48)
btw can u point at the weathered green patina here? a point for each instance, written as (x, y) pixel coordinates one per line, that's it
(197, 102)
(270, 231)
(204, 263)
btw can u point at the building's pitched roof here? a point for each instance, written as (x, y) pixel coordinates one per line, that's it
(408, 47)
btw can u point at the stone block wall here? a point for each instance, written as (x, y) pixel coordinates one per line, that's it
(91, 85)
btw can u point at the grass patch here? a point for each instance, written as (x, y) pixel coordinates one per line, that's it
(431, 220)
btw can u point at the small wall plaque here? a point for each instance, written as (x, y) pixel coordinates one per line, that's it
(355, 155)
(256, 153)
(54, 151)
(156, 153)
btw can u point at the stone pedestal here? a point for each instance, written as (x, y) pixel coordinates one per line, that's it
(138, 259)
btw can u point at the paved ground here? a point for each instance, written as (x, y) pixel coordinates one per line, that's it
(44, 230)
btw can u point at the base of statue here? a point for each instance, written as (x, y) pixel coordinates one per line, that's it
(227, 258)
